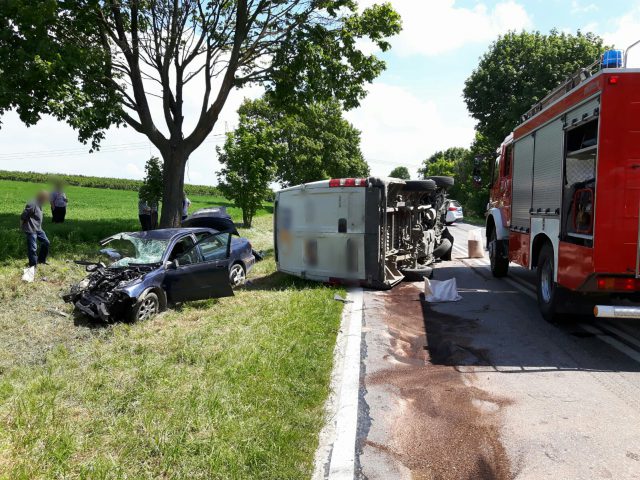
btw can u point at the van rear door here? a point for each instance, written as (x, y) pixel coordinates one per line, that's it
(320, 232)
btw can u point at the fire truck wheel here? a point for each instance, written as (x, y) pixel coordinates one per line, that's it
(550, 295)
(499, 262)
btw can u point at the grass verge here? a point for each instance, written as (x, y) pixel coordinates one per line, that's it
(224, 389)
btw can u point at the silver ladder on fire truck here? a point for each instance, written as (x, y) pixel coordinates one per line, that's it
(565, 195)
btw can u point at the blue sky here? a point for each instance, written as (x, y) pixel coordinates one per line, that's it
(413, 109)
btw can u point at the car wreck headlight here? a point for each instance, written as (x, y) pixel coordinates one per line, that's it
(83, 284)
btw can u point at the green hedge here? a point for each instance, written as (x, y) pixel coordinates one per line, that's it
(95, 182)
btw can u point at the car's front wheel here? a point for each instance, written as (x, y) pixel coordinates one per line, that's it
(145, 308)
(237, 275)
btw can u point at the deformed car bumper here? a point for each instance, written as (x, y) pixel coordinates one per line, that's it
(100, 309)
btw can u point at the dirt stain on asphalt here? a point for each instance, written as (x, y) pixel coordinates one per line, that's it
(446, 428)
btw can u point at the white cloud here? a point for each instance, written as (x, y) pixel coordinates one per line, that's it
(436, 27)
(578, 6)
(625, 31)
(399, 128)
(134, 171)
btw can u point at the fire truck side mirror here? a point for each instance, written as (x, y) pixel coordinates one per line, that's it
(477, 170)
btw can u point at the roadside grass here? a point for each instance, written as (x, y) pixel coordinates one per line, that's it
(224, 389)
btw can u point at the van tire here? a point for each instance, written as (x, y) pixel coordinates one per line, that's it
(416, 274)
(443, 251)
(420, 186)
(443, 182)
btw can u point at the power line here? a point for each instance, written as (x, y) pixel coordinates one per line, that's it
(123, 147)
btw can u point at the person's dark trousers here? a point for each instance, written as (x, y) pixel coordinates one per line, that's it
(154, 220)
(145, 222)
(32, 247)
(58, 214)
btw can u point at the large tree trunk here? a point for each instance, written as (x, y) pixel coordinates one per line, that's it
(247, 219)
(175, 161)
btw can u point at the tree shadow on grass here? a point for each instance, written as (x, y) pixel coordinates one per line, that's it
(282, 281)
(84, 321)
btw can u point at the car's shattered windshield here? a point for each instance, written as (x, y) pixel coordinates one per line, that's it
(125, 250)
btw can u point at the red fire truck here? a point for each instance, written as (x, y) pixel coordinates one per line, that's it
(565, 194)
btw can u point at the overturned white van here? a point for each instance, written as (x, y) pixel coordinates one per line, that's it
(371, 232)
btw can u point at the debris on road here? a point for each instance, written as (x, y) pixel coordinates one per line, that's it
(338, 298)
(55, 311)
(441, 291)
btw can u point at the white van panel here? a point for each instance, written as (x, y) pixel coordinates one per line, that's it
(320, 232)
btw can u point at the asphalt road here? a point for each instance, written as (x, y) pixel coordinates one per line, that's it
(485, 388)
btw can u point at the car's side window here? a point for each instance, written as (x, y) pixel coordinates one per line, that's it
(184, 252)
(214, 247)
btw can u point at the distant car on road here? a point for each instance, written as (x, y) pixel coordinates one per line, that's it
(150, 270)
(454, 212)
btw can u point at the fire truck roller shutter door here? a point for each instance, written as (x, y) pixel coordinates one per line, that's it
(547, 169)
(522, 182)
(587, 109)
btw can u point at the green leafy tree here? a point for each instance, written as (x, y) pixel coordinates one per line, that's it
(317, 141)
(465, 166)
(520, 69)
(97, 63)
(152, 184)
(248, 161)
(400, 172)
(443, 162)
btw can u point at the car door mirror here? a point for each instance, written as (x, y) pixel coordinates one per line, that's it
(171, 265)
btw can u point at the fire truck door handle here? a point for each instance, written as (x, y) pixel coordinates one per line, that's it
(635, 166)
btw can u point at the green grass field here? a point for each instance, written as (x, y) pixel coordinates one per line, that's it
(224, 389)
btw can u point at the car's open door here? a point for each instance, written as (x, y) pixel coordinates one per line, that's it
(202, 272)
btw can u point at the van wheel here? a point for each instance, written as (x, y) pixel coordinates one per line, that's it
(420, 186)
(417, 274)
(442, 182)
(550, 295)
(499, 264)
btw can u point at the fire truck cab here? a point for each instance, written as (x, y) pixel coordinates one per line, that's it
(565, 194)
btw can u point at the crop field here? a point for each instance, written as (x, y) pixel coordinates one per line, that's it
(224, 389)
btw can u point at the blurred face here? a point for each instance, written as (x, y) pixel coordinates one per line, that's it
(42, 197)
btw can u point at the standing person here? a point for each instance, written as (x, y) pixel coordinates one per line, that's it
(186, 203)
(31, 225)
(154, 214)
(144, 214)
(58, 204)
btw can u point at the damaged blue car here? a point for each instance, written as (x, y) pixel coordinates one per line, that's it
(147, 271)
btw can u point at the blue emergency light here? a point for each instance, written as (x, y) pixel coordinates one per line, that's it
(612, 59)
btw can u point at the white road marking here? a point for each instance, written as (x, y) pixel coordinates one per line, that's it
(610, 328)
(621, 347)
